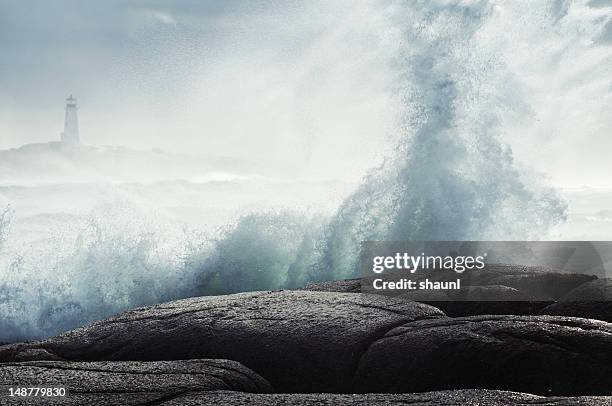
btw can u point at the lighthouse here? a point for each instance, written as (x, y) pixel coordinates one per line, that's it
(71, 122)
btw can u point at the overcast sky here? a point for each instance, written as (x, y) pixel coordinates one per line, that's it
(303, 85)
(291, 83)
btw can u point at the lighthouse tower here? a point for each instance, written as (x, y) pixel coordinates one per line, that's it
(71, 122)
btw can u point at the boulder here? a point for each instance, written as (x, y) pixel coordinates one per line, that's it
(590, 300)
(543, 286)
(535, 354)
(535, 281)
(471, 300)
(125, 381)
(468, 397)
(472, 397)
(479, 300)
(343, 286)
(300, 341)
(496, 289)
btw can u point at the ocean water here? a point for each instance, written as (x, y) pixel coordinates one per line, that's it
(463, 74)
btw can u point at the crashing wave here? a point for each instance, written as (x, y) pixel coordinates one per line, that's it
(452, 177)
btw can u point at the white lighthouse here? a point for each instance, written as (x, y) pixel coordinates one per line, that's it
(71, 122)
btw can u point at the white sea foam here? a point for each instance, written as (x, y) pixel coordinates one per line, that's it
(467, 80)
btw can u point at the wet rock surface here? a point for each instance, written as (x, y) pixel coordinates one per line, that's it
(544, 286)
(500, 289)
(478, 300)
(538, 354)
(470, 397)
(343, 286)
(136, 376)
(289, 347)
(124, 380)
(300, 341)
(590, 300)
(444, 398)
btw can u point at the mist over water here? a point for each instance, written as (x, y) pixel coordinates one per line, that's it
(458, 94)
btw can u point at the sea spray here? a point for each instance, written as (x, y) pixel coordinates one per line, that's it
(263, 251)
(451, 178)
(6, 215)
(122, 256)
(109, 261)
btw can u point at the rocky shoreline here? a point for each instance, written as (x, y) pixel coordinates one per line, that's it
(330, 344)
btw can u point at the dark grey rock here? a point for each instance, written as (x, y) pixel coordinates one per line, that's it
(489, 293)
(590, 300)
(298, 340)
(479, 300)
(472, 308)
(467, 397)
(342, 286)
(548, 281)
(135, 376)
(543, 286)
(130, 382)
(536, 282)
(535, 354)
(471, 300)
(94, 399)
(474, 397)
(496, 289)
(597, 290)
